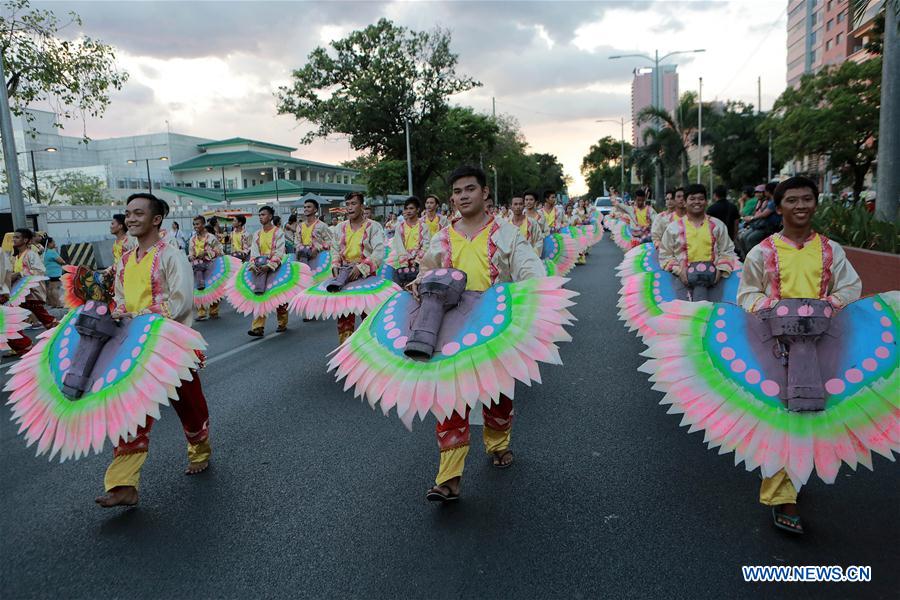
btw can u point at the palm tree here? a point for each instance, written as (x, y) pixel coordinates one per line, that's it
(677, 132)
(886, 205)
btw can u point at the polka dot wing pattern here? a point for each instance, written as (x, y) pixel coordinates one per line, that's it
(137, 370)
(715, 371)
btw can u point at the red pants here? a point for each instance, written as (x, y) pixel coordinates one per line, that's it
(191, 410)
(453, 432)
(39, 310)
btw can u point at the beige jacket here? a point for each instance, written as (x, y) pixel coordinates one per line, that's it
(276, 254)
(212, 248)
(660, 222)
(400, 255)
(321, 236)
(673, 250)
(32, 264)
(171, 284)
(372, 247)
(511, 256)
(760, 280)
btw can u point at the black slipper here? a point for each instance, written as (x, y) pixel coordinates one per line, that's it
(497, 460)
(795, 527)
(435, 495)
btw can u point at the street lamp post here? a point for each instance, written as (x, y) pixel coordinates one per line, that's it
(621, 122)
(657, 93)
(275, 179)
(134, 161)
(37, 191)
(409, 185)
(224, 188)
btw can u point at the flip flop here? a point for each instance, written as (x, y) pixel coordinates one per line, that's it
(435, 495)
(498, 458)
(795, 527)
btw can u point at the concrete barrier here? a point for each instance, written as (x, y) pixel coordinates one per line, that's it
(879, 271)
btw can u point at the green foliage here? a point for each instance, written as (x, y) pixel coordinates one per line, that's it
(386, 177)
(73, 188)
(75, 77)
(739, 155)
(602, 164)
(832, 114)
(367, 84)
(678, 130)
(855, 226)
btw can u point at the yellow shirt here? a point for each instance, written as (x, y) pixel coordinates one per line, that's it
(118, 247)
(199, 245)
(306, 232)
(642, 217)
(800, 269)
(17, 265)
(550, 218)
(411, 236)
(265, 240)
(434, 225)
(471, 256)
(136, 280)
(236, 241)
(353, 243)
(524, 228)
(699, 241)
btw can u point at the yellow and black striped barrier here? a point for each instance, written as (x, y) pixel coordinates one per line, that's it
(80, 255)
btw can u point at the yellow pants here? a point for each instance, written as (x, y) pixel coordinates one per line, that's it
(125, 469)
(281, 315)
(212, 311)
(453, 461)
(777, 489)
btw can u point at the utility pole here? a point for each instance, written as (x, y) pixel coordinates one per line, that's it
(409, 186)
(888, 177)
(16, 204)
(700, 132)
(759, 111)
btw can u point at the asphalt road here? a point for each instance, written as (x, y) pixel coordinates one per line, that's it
(312, 494)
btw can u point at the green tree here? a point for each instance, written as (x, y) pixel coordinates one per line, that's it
(550, 173)
(368, 84)
(602, 164)
(833, 114)
(739, 154)
(75, 77)
(74, 188)
(385, 177)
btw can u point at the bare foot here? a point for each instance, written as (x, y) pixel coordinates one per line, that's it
(194, 468)
(123, 495)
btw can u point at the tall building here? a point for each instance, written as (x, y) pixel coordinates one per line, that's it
(643, 95)
(820, 34)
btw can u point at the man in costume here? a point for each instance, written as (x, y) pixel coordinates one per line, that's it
(313, 236)
(240, 239)
(674, 210)
(534, 213)
(554, 219)
(155, 277)
(123, 242)
(528, 227)
(432, 218)
(697, 243)
(203, 247)
(410, 242)
(641, 215)
(488, 251)
(359, 242)
(26, 262)
(268, 242)
(796, 262)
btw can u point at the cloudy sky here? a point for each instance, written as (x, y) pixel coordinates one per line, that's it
(209, 68)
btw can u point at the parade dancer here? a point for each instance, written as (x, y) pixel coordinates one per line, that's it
(641, 217)
(313, 236)
(528, 227)
(533, 212)
(797, 262)
(28, 266)
(697, 248)
(123, 242)
(463, 336)
(155, 277)
(240, 239)
(409, 243)
(554, 217)
(432, 217)
(203, 248)
(675, 209)
(266, 254)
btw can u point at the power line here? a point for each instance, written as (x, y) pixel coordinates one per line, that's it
(740, 71)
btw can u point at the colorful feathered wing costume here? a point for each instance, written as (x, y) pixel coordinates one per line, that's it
(559, 254)
(721, 368)
(22, 287)
(646, 287)
(281, 286)
(481, 346)
(12, 323)
(353, 298)
(621, 234)
(92, 378)
(218, 278)
(320, 267)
